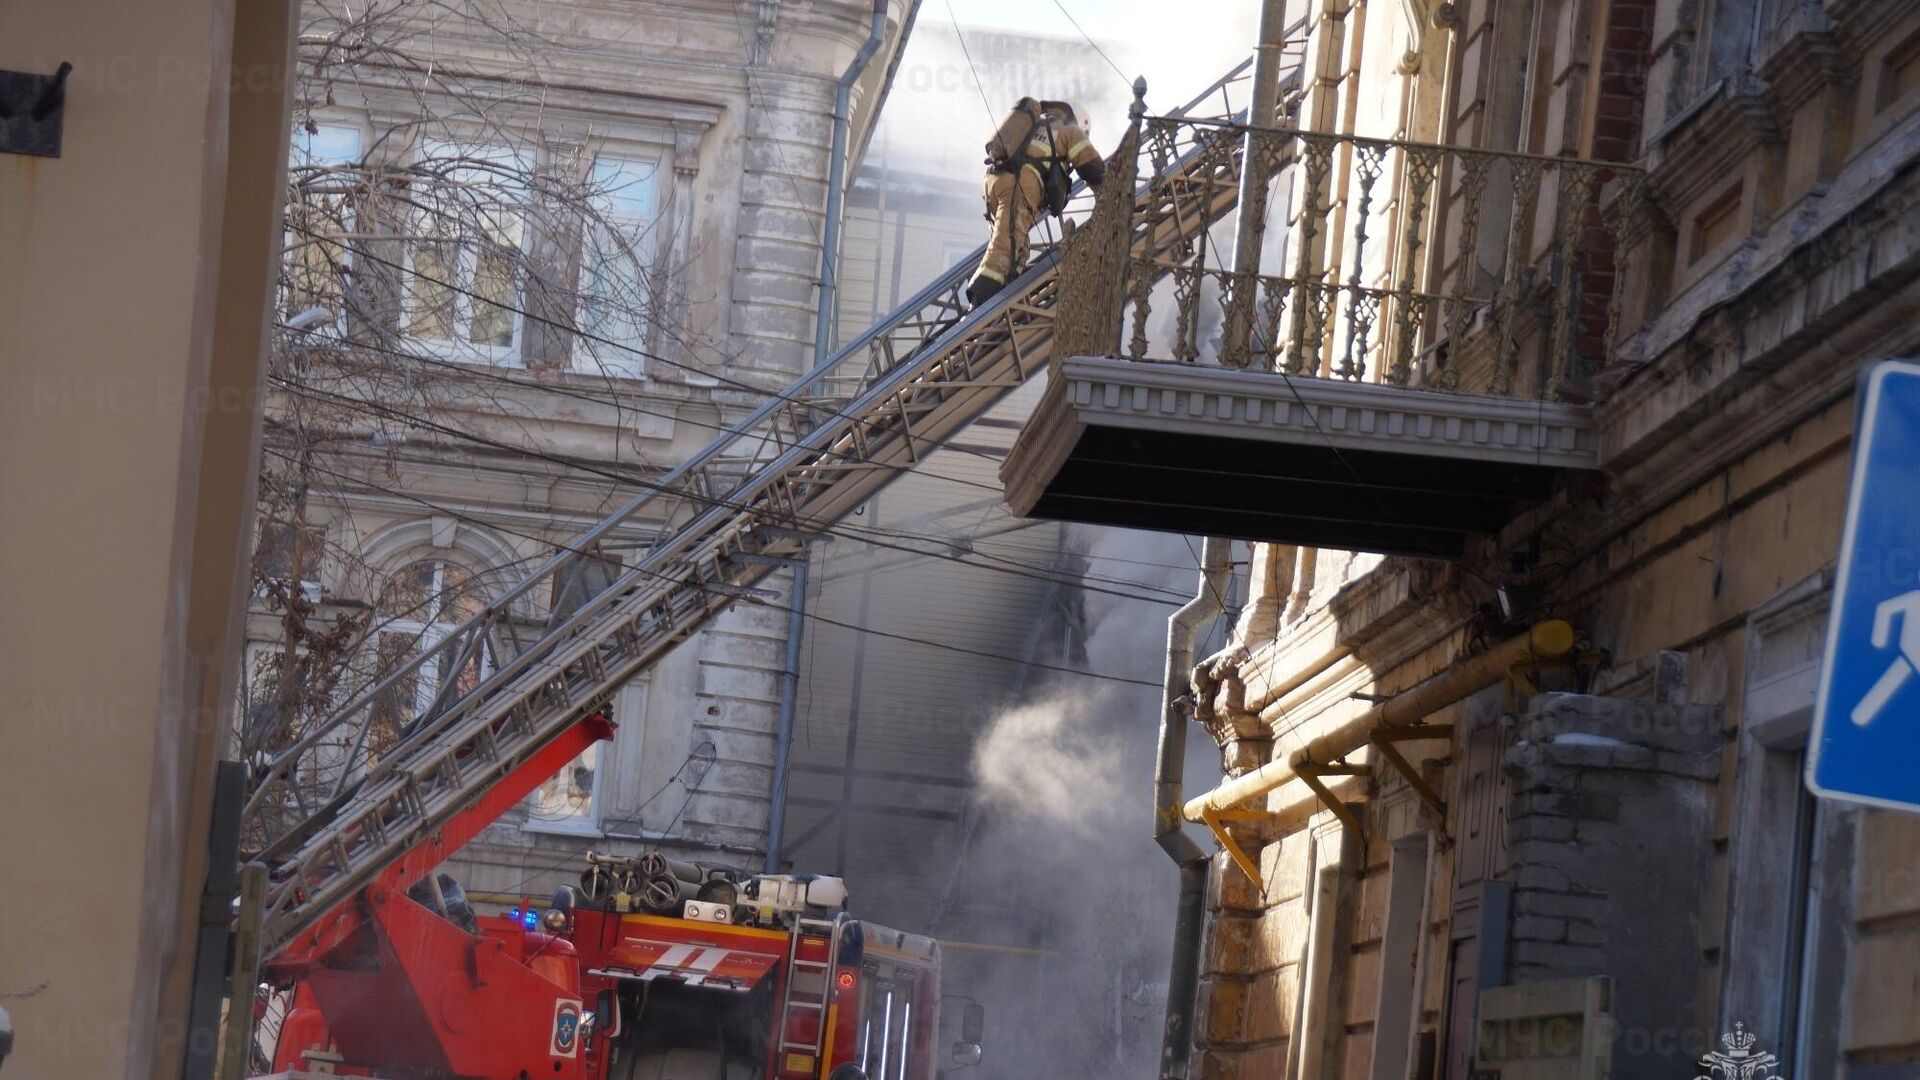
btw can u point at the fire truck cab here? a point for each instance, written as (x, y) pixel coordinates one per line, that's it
(650, 970)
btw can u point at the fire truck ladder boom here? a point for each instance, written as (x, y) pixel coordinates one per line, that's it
(357, 789)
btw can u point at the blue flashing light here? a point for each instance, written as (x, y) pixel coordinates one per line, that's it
(530, 919)
(514, 912)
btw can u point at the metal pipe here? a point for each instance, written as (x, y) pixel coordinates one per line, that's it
(1543, 641)
(1183, 626)
(1254, 174)
(783, 740)
(836, 180)
(1276, 695)
(1183, 982)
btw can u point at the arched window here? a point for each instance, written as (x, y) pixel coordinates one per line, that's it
(420, 605)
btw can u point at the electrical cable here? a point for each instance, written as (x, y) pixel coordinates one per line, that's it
(471, 520)
(841, 529)
(568, 328)
(964, 51)
(1096, 45)
(487, 371)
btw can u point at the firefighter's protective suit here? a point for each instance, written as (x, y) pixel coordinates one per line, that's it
(1027, 159)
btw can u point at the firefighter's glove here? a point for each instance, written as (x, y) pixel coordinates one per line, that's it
(1093, 172)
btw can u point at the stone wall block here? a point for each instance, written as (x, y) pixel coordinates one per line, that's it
(1230, 945)
(1540, 827)
(1270, 1007)
(1562, 958)
(1539, 928)
(1224, 1004)
(1237, 891)
(1656, 725)
(1570, 906)
(1584, 933)
(1541, 877)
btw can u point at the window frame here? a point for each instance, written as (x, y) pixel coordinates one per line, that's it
(630, 713)
(427, 678)
(288, 302)
(459, 346)
(647, 254)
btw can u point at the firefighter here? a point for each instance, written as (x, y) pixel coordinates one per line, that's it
(1027, 162)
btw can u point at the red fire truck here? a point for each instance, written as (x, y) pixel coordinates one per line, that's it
(650, 969)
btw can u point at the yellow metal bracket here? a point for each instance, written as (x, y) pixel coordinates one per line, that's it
(1385, 739)
(1216, 821)
(1310, 775)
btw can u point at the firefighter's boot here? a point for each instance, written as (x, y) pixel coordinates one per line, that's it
(1013, 199)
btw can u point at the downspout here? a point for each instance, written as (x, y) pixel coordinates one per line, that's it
(836, 180)
(783, 741)
(1183, 627)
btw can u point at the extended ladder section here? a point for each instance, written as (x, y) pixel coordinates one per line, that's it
(811, 954)
(329, 812)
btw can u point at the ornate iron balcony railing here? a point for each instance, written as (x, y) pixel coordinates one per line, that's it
(1402, 262)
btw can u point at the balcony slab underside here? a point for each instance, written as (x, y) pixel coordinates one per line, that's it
(1258, 456)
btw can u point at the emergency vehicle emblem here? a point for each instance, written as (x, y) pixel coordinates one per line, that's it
(566, 1028)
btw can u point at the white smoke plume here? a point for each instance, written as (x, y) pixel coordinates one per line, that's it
(1064, 845)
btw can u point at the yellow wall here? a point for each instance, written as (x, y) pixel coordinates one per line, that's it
(134, 271)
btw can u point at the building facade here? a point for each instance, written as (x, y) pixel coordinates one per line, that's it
(1643, 818)
(1562, 309)
(537, 258)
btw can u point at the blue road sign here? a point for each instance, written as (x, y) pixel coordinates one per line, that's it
(1865, 744)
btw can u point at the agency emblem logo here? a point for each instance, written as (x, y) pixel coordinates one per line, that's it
(1739, 1059)
(566, 1028)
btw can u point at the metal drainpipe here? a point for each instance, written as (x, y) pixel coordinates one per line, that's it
(836, 180)
(1183, 982)
(789, 693)
(822, 319)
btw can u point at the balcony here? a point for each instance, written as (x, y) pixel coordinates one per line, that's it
(1406, 363)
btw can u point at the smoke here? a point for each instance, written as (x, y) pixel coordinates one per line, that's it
(1062, 860)
(1044, 762)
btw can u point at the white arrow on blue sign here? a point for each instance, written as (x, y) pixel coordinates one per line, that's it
(1865, 743)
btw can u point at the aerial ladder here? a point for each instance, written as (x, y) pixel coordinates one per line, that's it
(327, 826)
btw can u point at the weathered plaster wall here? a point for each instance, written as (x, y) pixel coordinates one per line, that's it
(1726, 416)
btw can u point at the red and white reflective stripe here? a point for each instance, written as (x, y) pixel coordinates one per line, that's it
(697, 972)
(670, 960)
(690, 962)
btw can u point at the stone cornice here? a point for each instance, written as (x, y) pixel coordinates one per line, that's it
(1862, 21)
(1703, 146)
(1205, 399)
(1797, 65)
(1782, 345)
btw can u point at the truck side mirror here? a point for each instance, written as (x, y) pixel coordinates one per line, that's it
(966, 1055)
(973, 1024)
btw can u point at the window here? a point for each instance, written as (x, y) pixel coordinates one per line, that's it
(567, 801)
(422, 603)
(259, 691)
(1715, 225)
(467, 228)
(887, 1037)
(320, 215)
(617, 263)
(1899, 74)
(280, 545)
(1790, 855)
